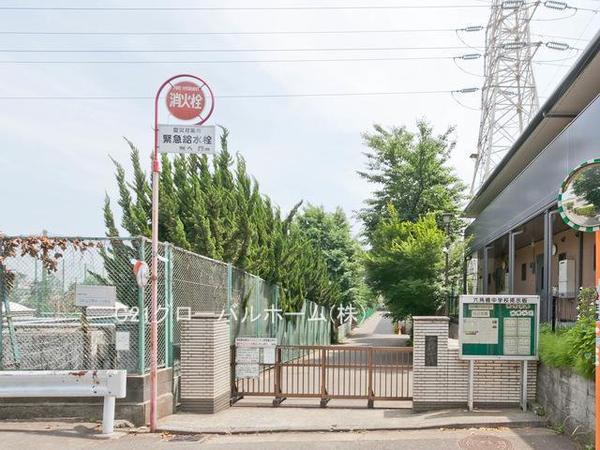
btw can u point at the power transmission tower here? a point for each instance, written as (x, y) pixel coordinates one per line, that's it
(509, 95)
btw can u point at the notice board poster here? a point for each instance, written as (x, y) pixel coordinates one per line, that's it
(251, 353)
(499, 327)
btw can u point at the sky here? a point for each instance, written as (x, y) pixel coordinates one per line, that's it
(55, 166)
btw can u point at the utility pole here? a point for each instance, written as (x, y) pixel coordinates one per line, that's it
(509, 95)
(597, 359)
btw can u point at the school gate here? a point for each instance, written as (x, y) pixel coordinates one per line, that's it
(329, 372)
(324, 372)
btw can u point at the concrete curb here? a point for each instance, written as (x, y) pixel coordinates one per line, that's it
(241, 431)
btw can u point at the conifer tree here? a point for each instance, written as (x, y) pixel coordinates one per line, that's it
(216, 209)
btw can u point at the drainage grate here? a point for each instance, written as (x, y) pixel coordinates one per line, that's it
(484, 442)
(183, 437)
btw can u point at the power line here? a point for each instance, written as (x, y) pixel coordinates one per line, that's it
(239, 61)
(234, 8)
(210, 33)
(562, 6)
(544, 63)
(241, 96)
(558, 70)
(230, 50)
(462, 104)
(554, 45)
(556, 36)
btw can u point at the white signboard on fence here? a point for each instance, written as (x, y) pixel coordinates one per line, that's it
(253, 351)
(198, 139)
(255, 342)
(95, 295)
(246, 370)
(122, 341)
(247, 355)
(268, 355)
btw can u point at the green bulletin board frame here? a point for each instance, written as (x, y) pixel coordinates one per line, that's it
(498, 308)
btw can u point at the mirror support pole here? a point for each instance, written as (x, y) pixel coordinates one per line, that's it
(597, 280)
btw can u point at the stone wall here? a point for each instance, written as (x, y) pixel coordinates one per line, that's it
(568, 400)
(445, 385)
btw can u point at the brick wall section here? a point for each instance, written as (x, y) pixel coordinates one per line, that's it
(205, 367)
(447, 384)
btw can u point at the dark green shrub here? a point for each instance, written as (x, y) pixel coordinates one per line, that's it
(582, 340)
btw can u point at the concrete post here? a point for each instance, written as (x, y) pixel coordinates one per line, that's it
(205, 363)
(430, 382)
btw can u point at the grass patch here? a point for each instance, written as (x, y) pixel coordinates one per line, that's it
(573, 348)
(555, 350)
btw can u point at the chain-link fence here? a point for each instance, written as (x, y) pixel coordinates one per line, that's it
(203, 285)
(199, 285)
(41, 327)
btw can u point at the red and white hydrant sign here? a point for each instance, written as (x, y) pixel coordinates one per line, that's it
(186, 100)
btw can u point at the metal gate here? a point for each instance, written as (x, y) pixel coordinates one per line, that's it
(331, 372)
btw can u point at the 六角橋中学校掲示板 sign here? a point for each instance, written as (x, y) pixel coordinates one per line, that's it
(499, 327)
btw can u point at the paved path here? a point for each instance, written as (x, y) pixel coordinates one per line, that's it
(377, 331)
(75, 436)
(263, 419)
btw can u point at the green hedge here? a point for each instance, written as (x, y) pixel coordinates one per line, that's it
(586, 211)
(366, 313)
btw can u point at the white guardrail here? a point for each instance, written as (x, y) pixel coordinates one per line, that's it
(110, 384)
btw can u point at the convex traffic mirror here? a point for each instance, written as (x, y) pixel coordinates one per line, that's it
(579, 199)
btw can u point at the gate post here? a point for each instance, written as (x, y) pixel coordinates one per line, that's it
(323, 364)
(205, 368)
(235, 395)
(371, 394)
(278, 397)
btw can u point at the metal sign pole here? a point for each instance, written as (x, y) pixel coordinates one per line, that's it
(184, 110)
(154, 275)
(597, 279)
(471, 383)
(524, 387)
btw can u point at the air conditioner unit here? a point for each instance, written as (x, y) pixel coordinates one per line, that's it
(566, 278)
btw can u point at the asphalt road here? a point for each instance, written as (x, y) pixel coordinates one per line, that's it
(46, 437)
(377, 331)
